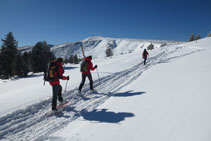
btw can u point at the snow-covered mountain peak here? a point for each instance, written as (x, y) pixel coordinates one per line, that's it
(97, 45)
(91, 38)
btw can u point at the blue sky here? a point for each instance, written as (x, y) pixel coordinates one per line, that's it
(60, 21)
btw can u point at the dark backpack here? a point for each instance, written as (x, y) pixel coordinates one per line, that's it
(49, 73)
(84, 66)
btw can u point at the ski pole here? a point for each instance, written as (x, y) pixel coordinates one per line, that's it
(44, 83)
(98, 75)
(65, 86)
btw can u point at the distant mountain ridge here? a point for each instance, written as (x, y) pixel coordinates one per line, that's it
(97, 45)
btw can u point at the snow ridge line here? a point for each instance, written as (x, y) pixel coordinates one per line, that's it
(19, 124)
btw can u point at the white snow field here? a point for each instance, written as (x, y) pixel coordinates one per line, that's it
(168, 99)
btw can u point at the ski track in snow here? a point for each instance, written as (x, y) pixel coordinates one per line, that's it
(36, 122)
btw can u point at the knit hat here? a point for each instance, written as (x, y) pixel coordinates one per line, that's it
(59, 59)
(90, 57)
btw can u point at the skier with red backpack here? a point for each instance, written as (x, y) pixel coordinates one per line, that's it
(55, 72)
(86, 66)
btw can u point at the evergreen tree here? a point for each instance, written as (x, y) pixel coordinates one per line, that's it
(192, 37)
(109, 52)
(71, 59)
(197, 37)
(65, 61)
(40, 56)
(26, 63)
(17, 65)
(209, 35)
(150, 47)
(75, 59)
(2, 68)
(8, 53)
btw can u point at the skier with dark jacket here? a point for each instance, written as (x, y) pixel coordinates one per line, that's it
(144, 55)
(87, 73)
(57, 88)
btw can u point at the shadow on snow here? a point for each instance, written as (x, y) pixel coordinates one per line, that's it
(103, 115)
(128, 93)
(69, 68)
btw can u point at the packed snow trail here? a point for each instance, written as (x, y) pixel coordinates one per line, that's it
(35, 123)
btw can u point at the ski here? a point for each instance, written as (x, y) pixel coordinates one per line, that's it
(59, 109)
(59, 106)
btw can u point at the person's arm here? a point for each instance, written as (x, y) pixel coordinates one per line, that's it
(61, 71)
(91, 66)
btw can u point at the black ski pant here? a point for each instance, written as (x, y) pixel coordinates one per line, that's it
(57, 93)
(145, 59)
(84, 79)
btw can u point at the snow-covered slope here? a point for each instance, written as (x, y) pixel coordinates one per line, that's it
(167, 99)
(170, 101)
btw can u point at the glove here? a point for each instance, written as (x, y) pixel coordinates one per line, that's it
(95, 66)
(68, 78)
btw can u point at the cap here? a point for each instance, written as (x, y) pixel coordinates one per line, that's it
(59, 59)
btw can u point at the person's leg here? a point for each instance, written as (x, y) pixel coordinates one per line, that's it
(90, 80)
(54, 98)
(60, 93)
(82, 82)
